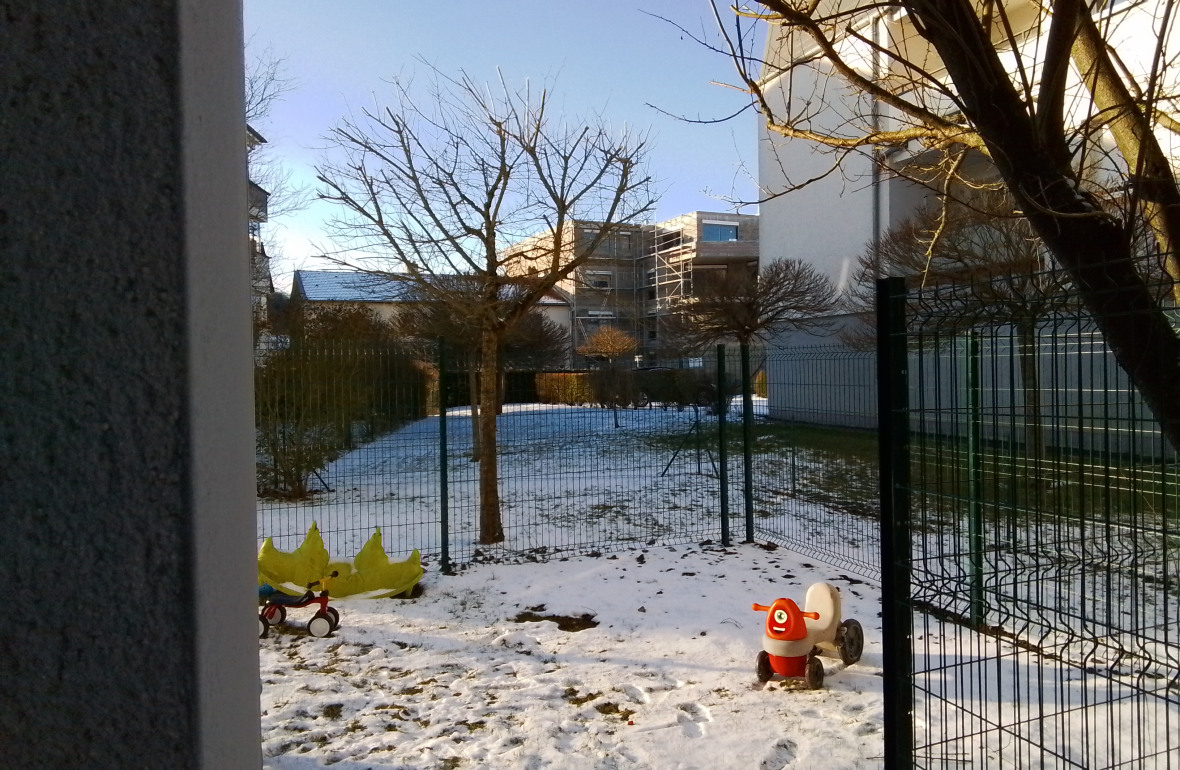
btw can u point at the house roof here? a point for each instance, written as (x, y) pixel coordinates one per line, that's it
(353, 286)
(348, 286)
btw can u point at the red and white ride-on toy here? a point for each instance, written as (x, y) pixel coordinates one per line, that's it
(276, 603)
(796, 638)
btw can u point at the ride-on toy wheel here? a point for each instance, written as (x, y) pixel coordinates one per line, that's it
(335, 617)
(275, 614)
(762, 667)
(263, 627)
(815, 674)
(850, 641)
(320, 625)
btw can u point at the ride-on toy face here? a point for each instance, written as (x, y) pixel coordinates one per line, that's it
(784, 619)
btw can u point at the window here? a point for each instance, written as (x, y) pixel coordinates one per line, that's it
(712, 232)
(598, 279)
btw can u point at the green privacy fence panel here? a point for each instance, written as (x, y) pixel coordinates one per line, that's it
(1042, 511)
(816, 486)
(589, 461)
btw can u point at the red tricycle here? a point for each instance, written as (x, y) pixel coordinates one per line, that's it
(796, 638)
(275, 605)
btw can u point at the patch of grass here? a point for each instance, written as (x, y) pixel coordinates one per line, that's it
(333, 710)
(571, 695)
(473, 726)
(612, 709)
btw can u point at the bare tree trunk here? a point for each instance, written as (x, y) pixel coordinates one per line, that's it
(491, 528)
(473, 396)
(1148, 166)
(1027, 353)
(1033, 157)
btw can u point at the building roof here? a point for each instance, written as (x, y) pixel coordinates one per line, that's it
(348, 286)
(354, 286)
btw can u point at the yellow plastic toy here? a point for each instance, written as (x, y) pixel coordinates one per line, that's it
(370, 575)
(306, 564)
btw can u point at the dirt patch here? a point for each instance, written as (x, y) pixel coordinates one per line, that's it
(612, 709)
(564, 622)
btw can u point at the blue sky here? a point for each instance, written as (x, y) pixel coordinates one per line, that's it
(608, 57)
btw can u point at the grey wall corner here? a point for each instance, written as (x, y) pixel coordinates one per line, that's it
(127, 530)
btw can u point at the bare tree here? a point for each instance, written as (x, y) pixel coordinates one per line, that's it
(981, 265)
(960, 81)
(443, 186)
(748, 307)
(610, 344)
(266, 84)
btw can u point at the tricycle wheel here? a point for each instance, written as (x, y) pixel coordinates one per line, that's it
(320, 625)
(263, 627)
(814, 673)
(850, 641)
(762, 667)
(335, 616)
(274, 613)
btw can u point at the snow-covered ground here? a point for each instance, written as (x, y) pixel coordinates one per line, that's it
(665, 679)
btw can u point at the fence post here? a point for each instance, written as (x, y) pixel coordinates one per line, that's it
(443, 507)
(896, 613)
(975, 477)
(748, 439)
(722, 453)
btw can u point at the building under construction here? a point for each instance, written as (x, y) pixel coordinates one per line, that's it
(637, 274)
(679, 255)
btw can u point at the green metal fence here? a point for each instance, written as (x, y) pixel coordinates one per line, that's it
(352, 437)
(1031, 520)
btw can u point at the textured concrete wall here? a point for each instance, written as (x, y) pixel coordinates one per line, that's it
(126, 532)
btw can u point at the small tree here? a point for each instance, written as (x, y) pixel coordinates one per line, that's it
(444, 187)
(536, 344)
(747, 307)
(610, 344)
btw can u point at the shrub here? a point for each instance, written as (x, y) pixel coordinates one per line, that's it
(570, 388)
